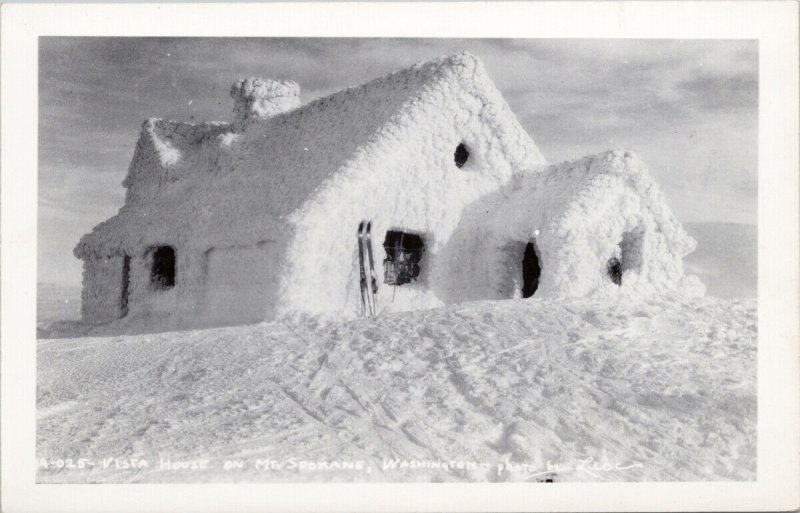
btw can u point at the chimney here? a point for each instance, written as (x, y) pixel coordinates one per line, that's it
(261, 98)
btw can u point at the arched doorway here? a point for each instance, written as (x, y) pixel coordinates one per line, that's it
(162, 268)
(628, 256)
(531, 270)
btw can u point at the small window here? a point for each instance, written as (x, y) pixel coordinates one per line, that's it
(403, 254)
(162, 272)
(614, 269)
(461, 155)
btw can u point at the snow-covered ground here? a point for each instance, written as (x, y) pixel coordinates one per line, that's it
(662, 390)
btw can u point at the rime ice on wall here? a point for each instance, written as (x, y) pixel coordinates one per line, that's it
(405, 178)
(295, 182)
(102, 288)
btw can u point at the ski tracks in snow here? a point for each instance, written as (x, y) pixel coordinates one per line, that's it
(667, 384)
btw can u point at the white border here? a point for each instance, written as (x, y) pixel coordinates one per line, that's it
(774, 24)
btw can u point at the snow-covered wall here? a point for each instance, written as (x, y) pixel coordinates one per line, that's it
(406, 179)
(241, 283)
(102, 288)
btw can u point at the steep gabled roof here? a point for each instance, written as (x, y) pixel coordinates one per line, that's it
(180, 170)
(316, 138)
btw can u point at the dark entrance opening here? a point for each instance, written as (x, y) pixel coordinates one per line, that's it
(126, 283)
(630, 256)
(162, 272)
(530, 270)
(403, 253)
(614, 268)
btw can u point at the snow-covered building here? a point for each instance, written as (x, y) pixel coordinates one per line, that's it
(257, 218)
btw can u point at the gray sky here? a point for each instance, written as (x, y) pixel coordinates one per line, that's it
(688, 108)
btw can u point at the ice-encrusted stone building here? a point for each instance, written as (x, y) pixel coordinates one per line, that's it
(256, 219)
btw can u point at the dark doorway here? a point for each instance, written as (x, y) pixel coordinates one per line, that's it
(126, 283)
(530, 270)
(162, 273)
(614, 268)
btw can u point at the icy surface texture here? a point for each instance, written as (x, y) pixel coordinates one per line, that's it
(296, 181)
(668, 384)
(258, 98)
(583, 213)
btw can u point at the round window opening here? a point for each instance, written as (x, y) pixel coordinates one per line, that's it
(461, 155)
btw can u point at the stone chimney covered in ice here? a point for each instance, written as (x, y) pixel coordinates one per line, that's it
(261, 98)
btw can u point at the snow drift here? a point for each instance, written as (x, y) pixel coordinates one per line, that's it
(663, 389)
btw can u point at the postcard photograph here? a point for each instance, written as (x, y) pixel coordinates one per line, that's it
(397, 260)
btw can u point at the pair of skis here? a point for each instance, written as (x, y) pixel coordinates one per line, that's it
(366, 265)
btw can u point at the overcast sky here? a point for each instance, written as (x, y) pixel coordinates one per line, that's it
(688, 108)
